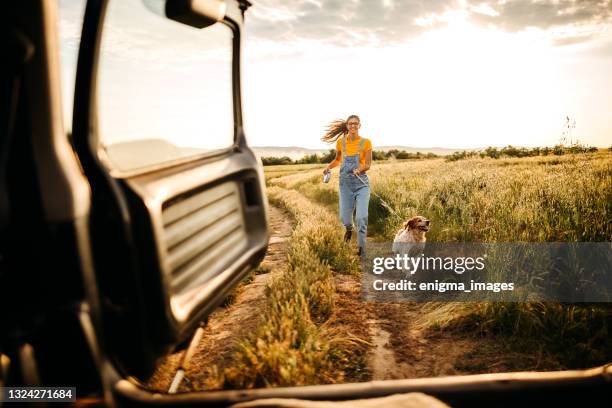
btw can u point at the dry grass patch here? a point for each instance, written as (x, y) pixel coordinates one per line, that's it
(294, 344)
(574, 335)
(551, 199)
(540, 199)
(317, 229)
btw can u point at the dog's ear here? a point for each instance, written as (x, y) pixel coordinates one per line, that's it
(411, 223)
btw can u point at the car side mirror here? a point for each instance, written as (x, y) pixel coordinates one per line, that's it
(196, 13)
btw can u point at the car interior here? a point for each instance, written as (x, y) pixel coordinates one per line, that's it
(105, 268)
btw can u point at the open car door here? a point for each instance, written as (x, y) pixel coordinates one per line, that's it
(138, 224)
(173, 228)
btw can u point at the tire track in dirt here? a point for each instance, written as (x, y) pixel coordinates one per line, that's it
(402, 352)
(399, 350)
(228, 325)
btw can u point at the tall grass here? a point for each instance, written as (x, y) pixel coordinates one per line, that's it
(540, 199)
(316, 228)
(288, 347)
(578, 336)
(292, 345)
(560, 199)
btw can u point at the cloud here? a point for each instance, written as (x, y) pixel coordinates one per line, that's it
(569, 40)
(342, 22)
(564, 22)
(516, 15)
(383, 22)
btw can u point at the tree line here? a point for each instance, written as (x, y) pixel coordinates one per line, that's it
(329, 156)
(492, 152)
(511, 151)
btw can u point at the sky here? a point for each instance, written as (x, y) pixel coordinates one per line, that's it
(437, 73)
(157, 79)
(430, 73)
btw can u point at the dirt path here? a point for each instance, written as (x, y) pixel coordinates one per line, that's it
(395, 350)
(228, 325)
(402, 352)
(399, 350)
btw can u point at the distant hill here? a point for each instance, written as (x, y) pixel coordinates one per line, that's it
(146, 152)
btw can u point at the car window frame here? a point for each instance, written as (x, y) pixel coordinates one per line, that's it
(95, 145)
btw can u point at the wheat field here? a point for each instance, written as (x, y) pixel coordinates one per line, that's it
(539, 199)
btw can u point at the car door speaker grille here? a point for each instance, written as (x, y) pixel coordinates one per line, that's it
(203, 234)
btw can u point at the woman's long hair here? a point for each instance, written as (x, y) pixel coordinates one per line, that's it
(337, 129)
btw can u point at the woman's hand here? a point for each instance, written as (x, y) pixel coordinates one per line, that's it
(357, 172)
(327, 170)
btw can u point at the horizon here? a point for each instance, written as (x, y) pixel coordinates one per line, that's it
(417, 147)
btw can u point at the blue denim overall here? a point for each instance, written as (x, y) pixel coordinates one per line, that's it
(354, 191)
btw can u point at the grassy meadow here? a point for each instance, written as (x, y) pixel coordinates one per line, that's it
(539, 199)
(536, 199)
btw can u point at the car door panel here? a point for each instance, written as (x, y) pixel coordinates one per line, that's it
(170, 240)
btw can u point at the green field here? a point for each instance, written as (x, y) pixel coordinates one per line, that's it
(537, 199)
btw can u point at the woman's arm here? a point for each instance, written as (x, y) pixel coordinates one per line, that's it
(334, 162)
(367, 164)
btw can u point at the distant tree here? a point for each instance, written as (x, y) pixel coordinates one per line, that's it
(575, 148)
(461, 155)
(402, 155)
(392, 152)
(558, 150)
(509, 151)
(329, 156)
(309, 159)
(273, 161)
(378, 155)
(492, 152)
